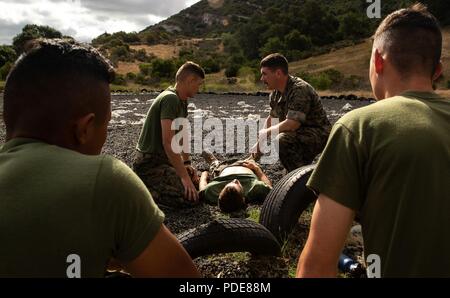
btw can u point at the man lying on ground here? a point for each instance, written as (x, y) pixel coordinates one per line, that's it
(62, 202)
(234, 183)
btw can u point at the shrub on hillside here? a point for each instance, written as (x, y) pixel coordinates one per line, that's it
(335, 76)
(321, 81)
(145, 80)
(273, 45)
(352, 82)
(32, 31)
(4, 70)
(121, 53)
(119, 80)
(141, 55)
(232, 70)
(210, 65)
(297, 41)
(163, 68)
(329, 79)
(131, 76)
(145, 68)
(7, 54)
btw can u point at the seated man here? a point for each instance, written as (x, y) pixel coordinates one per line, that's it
(66, 211)
(304, 127)
(234, 184)
(389, 162)
(168, 175)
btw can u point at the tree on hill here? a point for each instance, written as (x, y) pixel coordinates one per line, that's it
(115, 39)
(297, 41)
(352, 26)
(7, 54)
(32, 31)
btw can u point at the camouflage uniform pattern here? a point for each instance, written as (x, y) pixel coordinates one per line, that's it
(162, 180)
(216, 167)
(300, 102)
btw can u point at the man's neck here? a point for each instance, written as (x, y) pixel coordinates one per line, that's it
(180, 92)
(283, 84)
(414, 84)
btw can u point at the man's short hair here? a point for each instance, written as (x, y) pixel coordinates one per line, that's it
(276, 61)
(413, 38)
(52, 83)
(189, 68)
(231, 199)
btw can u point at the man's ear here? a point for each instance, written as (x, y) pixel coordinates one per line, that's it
(379, 62)
(438, 71)
(83, 128)
(279, 73)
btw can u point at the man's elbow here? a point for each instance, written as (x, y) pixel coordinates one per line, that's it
(309, 267)
(293, 125)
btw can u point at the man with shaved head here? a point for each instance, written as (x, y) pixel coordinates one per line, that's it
(66, 210)
(169, 175)
(389, 162)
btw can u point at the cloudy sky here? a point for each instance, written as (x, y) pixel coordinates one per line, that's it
(85, 19)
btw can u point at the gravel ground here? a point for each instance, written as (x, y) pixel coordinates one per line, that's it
(128, 115)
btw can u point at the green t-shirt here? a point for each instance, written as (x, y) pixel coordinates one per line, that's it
(254, 189)
(166, 106)
(56, 202)
(390, 161)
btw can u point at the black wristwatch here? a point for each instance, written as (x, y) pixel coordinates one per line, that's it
(187, 162)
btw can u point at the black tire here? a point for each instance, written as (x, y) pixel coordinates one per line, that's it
(286, 202)
(230, 235)
(352, 97)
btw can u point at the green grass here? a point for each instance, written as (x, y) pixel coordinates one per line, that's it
(292, 270)
(2, 85)
(115, 88)
(254, 214)
(242, 85)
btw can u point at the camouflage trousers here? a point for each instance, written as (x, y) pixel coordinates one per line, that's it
(299, 148)
(162, 180)
(216, 167)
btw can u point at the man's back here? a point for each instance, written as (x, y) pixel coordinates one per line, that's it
(394, 161)
(56, 202)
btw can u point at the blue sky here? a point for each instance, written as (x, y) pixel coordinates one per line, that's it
(85, 19)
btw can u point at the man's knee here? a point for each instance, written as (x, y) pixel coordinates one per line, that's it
(290, 151)
(286, 139)
(163, 180)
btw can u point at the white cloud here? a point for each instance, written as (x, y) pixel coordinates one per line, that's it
(85, 19)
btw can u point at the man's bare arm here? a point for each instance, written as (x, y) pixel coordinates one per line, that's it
(186, 155)
(258, 171)
(330, 226)
(263, 177)
(177, 160)
(285, 126)
(163, 257)
(268, 122)
(203, 181)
